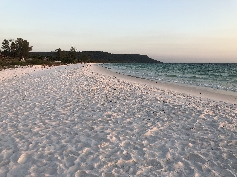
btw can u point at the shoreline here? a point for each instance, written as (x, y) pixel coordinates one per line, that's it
(203, 92)
(72, 120)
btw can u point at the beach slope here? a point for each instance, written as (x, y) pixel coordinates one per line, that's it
(76, 120)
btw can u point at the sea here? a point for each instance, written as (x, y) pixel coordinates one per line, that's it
(222, 76)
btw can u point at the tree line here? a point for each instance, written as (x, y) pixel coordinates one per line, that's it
(14, 50)
(19, 48)
(71, 56)
(17, 52)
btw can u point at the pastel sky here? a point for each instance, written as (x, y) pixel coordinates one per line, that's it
(166, 30)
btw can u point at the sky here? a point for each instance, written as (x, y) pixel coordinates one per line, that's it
(165, 30)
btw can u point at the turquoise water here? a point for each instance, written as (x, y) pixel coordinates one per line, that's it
(217, 76)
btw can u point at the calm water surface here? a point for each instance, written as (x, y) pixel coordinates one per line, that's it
(217, 76)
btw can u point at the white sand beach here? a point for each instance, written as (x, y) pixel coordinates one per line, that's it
(84, 121)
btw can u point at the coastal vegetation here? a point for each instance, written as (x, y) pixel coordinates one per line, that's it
(16, 48)
(17, 52)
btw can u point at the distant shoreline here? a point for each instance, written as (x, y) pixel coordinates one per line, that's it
(204, 92)
(103, 57)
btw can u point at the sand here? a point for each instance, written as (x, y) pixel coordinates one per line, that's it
(80, 120)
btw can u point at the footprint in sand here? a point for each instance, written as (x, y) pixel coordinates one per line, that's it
(70, 161)
(81, 173)
(195, 158)
(107, 174)
(154, 163)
